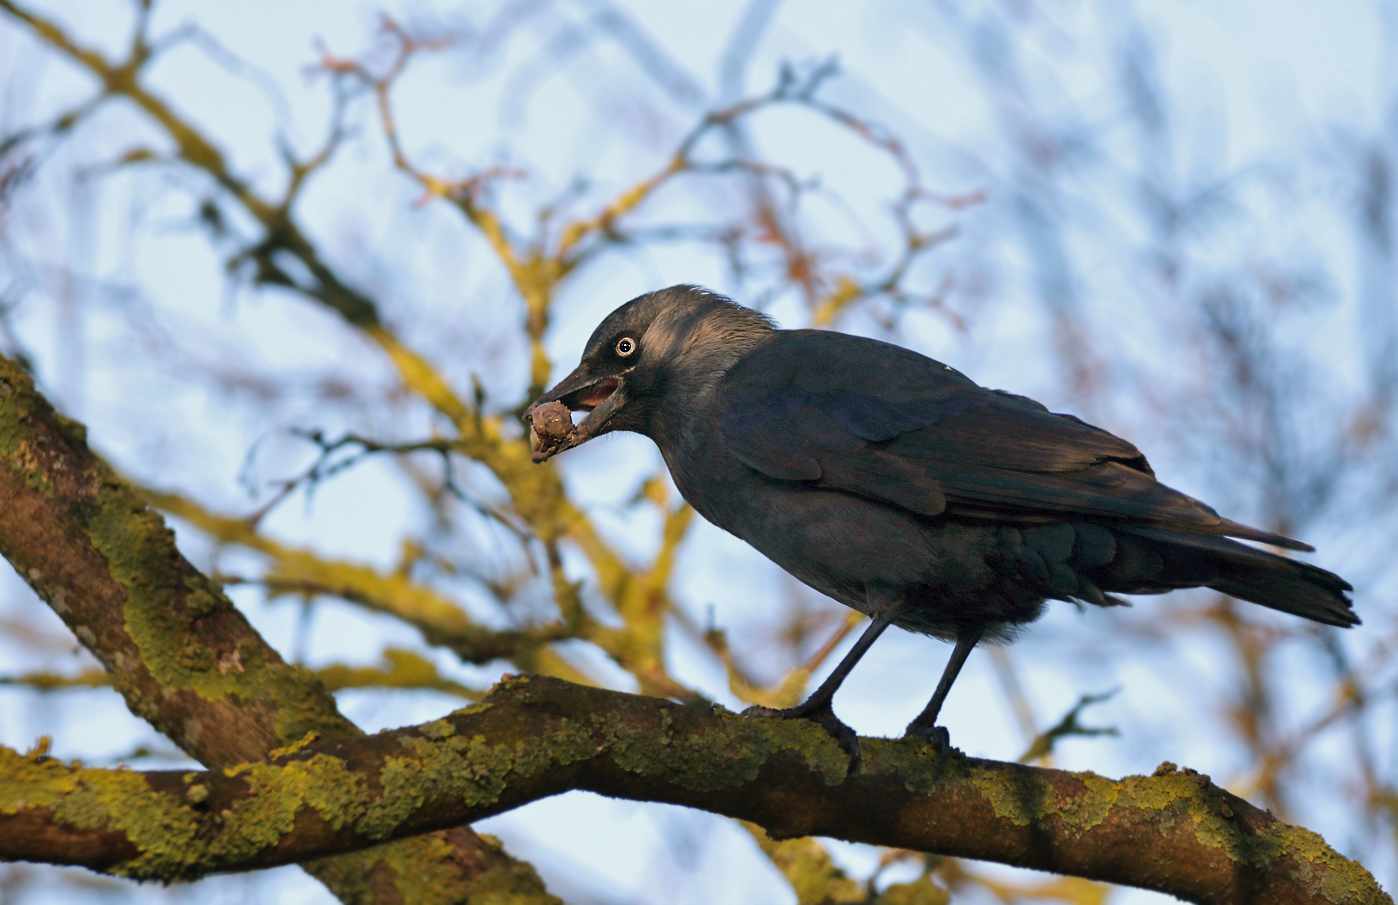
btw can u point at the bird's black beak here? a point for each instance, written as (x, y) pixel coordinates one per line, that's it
(580, 391)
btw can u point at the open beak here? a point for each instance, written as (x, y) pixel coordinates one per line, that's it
(580, 391)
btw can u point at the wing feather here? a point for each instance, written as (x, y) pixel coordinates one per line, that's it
(870, 418)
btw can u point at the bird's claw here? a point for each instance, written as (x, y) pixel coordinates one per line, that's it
(823, 715)
(936, 736)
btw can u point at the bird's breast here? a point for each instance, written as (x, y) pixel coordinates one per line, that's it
(838, 543)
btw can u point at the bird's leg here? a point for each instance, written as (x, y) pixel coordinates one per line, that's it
(924, 726)
(818, 707)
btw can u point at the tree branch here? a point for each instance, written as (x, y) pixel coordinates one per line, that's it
(177, 650)
(1175, 832)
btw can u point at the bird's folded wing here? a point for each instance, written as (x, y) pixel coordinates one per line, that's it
(881, 421)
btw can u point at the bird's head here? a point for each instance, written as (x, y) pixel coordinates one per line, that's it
(679, 339)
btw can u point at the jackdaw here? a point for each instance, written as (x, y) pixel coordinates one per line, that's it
(896, 485)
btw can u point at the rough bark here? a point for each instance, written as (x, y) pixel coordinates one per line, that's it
(1175, 832)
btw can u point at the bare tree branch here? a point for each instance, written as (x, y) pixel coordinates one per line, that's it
(1175, 831)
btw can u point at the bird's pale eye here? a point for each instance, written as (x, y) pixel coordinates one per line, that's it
(625, 347)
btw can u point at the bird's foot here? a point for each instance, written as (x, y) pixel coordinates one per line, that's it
(936, 736)
(823, 715)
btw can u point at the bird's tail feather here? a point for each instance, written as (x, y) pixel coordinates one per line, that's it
(1249, 574)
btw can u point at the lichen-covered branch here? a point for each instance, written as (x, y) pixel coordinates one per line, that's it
(1175, 832)
(175, 647)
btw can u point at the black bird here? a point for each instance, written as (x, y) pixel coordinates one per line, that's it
(897, 486)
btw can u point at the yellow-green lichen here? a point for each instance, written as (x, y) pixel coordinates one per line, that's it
(35, 478)
(924, 768)
(438, 729)
(444, 761)
(116, 800)
(489, 767)
(1158, 792)
(199, 602)
(691, 760)
(288, 750)
(169, 835)
(821, 753)
(32, 781)
(433, 881)
(1090, 809)
(17, 400)
(921, 892)
(1016, 795)
(337, 794)
(160, 610)
(1190, 795)
(808, 867)
(472, 709)
(399, 778)
(137, 546)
